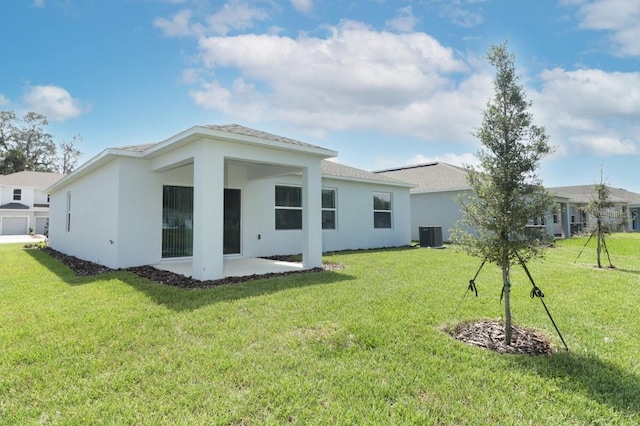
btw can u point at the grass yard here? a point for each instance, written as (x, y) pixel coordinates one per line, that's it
(361, 345)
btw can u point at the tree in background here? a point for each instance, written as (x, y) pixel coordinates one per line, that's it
(506, 192)
(69, 154)
(26, 145)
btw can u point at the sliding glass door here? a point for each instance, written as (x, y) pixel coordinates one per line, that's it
(177, 221)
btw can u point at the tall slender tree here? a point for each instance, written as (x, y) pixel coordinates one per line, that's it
(506, 191)
(599, 207)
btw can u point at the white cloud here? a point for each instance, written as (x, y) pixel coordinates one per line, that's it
(233, 16)
(3, 100)
(38, 3)
(408, 84)
(404, 22)
(460, 12)
(302, 6)
(619, 17)
(54, 102)
(178, 26)
(354, 78)
(590, 110)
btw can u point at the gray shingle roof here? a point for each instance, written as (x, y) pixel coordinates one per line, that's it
(230, 128)
(585, 193)
(38, 180)
(137, 148)
(14, 206)
(430, 176)
(246, 131)
(340, 171)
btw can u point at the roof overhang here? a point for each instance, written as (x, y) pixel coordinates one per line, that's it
(183, 138)
(199, 132)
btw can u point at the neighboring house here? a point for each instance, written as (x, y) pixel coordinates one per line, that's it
(213, 192)
(625, 210)
(434, 199)
(24, 205)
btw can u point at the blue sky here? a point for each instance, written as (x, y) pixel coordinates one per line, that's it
(385, 83)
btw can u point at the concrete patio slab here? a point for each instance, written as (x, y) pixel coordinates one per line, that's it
(235, 267)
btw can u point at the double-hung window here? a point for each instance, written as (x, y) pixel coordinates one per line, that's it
(17, 194)
(288, 202)
(382, 210)
(328, 208)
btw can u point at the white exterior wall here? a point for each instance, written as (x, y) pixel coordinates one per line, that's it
(139, 230)
(354, 223)
(39, 197)
(27, 196)
(94, 208)
(354, 218)
(435, 209)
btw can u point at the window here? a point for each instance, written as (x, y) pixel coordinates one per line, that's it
(382, 210)
(328, 208)
(288, 207)
(68, 217)
(17, 194)
(177, 221)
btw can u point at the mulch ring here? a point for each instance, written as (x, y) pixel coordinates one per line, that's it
(490, 335)
(86, 268)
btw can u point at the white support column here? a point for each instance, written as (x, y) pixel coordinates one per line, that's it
(208, 213)
(312, 216)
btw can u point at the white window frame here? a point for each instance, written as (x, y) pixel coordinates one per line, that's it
(389, 211)
(17, 194)
(333, 209)
(280, 207)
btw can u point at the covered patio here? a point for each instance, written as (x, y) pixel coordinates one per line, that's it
(235, 267)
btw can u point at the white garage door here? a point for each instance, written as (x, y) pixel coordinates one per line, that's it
(41, 224)
(15, 225)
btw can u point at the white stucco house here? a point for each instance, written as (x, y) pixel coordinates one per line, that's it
(24, 204)
(215, 192)
(438, 185)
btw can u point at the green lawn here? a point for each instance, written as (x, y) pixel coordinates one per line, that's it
(361, 345)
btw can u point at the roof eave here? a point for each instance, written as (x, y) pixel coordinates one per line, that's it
(374, 181)
(98, 160)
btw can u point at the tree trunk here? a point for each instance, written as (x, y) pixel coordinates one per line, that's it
(506, 282)
(599, 247)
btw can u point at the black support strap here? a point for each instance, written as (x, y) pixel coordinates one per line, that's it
(536, 292)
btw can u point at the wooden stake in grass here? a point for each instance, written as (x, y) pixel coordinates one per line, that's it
(506, 192)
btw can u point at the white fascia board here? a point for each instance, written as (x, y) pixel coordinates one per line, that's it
(197, 132)
(435, 191)
(95, 162)
(373, 181)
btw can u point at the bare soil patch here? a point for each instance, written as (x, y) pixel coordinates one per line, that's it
(490, 335)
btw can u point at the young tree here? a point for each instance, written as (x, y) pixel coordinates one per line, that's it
(599, 207)
(506, 192)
